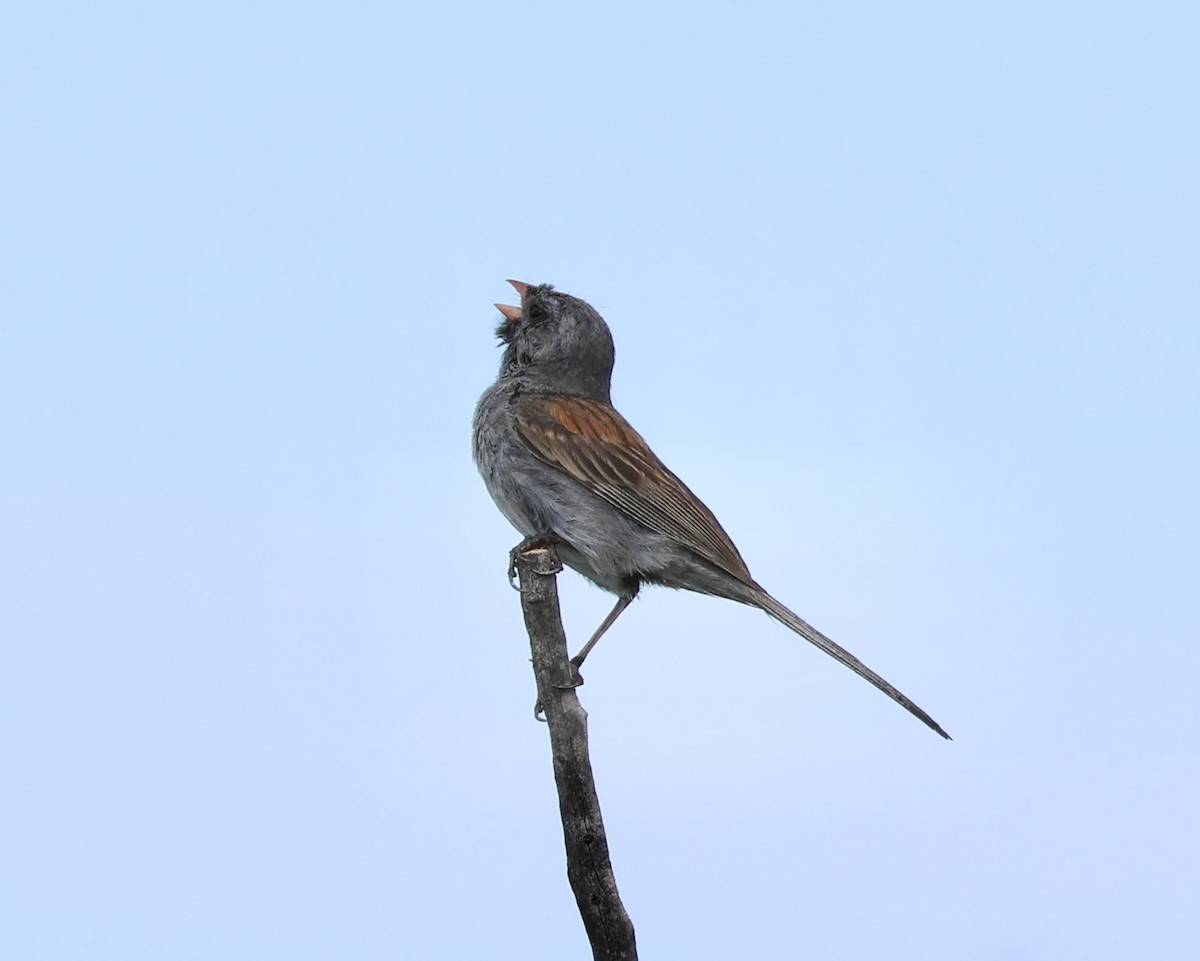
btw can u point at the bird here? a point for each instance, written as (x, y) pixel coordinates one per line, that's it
(565, 468)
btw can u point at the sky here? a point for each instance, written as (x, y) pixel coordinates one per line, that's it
(907, 293)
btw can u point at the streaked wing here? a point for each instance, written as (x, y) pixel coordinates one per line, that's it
(597, 447)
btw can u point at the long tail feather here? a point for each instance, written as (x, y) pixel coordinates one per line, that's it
(839, 653)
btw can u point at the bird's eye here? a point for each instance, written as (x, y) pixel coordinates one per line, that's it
(537, 312)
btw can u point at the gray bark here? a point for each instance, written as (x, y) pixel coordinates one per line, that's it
(588, 866)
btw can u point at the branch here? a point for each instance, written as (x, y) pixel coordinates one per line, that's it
(588, 868)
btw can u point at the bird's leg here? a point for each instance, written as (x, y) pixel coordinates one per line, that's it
(528, 544)
(622, 602)
(626, 598)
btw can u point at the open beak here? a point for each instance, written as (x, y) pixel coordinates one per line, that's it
(513, 314)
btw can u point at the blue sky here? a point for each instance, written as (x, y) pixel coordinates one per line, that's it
(908, 293)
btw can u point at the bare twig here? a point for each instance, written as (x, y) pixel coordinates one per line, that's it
(588, 867)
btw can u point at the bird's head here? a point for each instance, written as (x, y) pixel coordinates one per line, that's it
(556, 342)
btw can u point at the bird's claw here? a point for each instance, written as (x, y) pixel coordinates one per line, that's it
(539, 709)
(529, 543)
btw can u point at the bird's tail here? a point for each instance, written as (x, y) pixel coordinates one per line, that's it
(839, 653)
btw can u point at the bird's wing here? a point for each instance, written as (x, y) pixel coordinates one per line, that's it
(592, 443)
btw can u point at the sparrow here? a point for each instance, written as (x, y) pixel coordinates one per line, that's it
(566, 468)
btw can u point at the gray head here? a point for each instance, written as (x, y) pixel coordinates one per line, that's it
(556, 342)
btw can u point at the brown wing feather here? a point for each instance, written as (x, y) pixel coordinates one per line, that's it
(597, 447)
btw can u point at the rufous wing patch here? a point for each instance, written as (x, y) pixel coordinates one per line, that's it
(596, 446)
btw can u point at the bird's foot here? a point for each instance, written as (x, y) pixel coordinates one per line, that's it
(539, 709)
(532, 542)
(528, 544)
